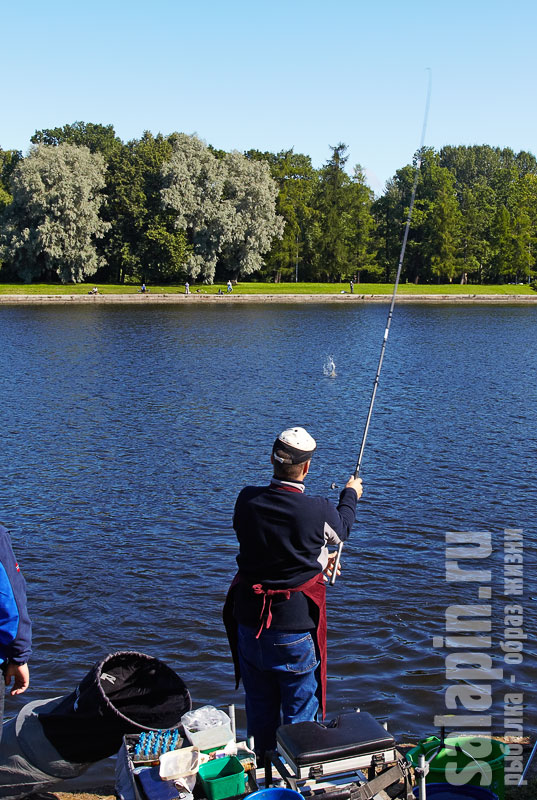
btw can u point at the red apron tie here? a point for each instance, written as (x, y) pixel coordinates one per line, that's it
(268, 594)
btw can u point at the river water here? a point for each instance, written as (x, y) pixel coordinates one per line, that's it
(127, 434)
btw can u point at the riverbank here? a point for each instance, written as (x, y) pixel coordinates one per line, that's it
(239, 299)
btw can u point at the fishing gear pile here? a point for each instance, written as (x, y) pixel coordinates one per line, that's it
(51, 741)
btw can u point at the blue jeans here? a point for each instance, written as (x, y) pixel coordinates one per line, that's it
(279, 672)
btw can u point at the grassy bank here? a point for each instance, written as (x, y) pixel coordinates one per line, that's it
(271, 289)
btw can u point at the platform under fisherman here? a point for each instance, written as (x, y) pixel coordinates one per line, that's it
(275, 612)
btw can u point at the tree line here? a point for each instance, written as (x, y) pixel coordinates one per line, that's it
(166, 209)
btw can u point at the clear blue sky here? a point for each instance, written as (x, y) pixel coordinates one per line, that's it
(275, 74)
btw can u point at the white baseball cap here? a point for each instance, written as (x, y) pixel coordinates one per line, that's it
(294, 446)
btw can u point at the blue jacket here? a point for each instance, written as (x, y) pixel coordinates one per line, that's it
(15, 626)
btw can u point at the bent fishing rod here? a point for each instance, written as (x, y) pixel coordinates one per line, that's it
(390, 312)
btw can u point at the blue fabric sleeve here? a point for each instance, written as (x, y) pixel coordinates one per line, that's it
(15, 626)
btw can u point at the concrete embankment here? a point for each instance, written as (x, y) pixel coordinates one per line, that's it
(195, 298)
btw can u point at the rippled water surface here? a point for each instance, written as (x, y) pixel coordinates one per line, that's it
(127, 434)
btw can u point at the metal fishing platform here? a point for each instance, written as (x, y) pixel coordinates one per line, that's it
(353, 757)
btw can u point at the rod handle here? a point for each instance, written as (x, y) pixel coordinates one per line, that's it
(336, 563)
(340, 545)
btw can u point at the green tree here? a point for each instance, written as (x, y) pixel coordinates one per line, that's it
(477, 208)
(226, 206)
(296, 180)
(521, 257)
(501, 244)
(471, 164)
(441, 231)
(528, 190)
(360, 226)
(332, 203)
(8, 161)
(475, 169)
(5, 198)
(389, 213)
(193, 185)
(526, 163)
(522, 212)
(97, 138)
(142, 242)
(489, 182)
(434, 238)
(50, 229)
(249, 204)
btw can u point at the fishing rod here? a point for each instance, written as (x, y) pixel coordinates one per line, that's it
(390, 312)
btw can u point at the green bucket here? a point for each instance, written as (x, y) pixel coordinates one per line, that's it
(463, 760)
(222, 778)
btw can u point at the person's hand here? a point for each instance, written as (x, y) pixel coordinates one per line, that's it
(328, 571)
(21, 677)
(356, 484)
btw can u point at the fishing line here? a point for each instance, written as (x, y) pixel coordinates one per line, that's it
(392, 304)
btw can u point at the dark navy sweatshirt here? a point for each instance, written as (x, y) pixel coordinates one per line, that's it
(284, 537)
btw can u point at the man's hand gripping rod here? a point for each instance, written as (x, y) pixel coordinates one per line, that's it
(390, 312)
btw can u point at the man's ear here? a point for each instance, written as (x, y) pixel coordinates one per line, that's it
(306, 468)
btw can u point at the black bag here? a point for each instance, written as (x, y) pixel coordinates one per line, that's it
(127, 692)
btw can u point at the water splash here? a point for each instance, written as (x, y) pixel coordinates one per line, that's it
(329, 367)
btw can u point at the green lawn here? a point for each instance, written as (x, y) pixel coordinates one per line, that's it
(270, 288)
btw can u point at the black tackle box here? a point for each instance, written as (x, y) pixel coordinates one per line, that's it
(352, 741)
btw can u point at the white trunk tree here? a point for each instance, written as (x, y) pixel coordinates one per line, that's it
(49, 230)
(226, 205)
(250, 195)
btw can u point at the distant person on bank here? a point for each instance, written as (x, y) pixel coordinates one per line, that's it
(15, 627)
(229, 286)
(275, 612)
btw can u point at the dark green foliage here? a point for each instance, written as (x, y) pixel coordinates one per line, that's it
(97, 138)
(474, 220)
(475, 217)
(143, 243)
(362, 262)
(8, 161)
(296, 179)
(331, 202)
(436, 222)
(339, 234)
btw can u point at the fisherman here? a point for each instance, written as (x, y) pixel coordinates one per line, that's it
(15, 627)
(275, 612)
